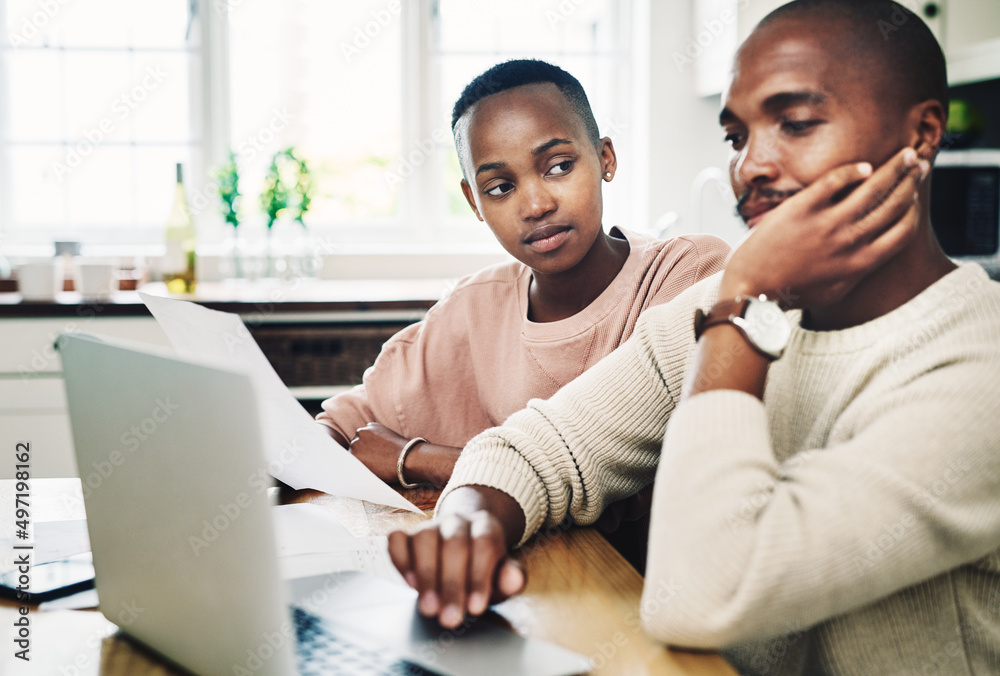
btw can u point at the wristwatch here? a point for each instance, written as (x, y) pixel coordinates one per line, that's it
(759, 319)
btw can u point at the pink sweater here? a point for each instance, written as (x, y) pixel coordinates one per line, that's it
(476, 358)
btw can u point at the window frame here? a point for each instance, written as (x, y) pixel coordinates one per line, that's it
(422, 224)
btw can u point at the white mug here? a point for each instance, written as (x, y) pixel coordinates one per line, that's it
(39, 281)
(96, 280)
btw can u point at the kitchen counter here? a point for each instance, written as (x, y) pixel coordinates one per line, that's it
(248, 298)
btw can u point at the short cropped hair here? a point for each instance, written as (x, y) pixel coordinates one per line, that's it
(890, 38)
(518, 72)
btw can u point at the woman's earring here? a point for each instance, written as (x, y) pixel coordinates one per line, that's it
(607, 175)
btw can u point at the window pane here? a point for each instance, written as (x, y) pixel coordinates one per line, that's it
(96, 86)
(34, 110)
(36, 195)
(527, 26)
(101, 189)
(97, 23)
(99, 92)
(156, 101)
(301, 76)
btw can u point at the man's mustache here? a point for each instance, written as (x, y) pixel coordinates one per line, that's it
(761, 194)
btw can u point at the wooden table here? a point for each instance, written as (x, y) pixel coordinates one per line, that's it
(581, 594)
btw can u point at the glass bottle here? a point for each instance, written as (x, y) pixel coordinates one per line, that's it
(179, 263)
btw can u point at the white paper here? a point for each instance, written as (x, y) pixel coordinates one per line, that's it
(310, 541)
(372, 557)
(57, 540)
(64, 641)
(51, 541)
(304, 528)
(298, 450)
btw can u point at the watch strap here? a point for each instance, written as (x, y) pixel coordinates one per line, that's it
(722, 312)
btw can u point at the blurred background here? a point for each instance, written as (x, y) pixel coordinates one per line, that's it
(99, 99)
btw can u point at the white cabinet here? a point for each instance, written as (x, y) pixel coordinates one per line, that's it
(972, 40)
(32, 396)
(968, 23)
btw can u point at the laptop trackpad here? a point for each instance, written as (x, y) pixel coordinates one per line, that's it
(386, 613)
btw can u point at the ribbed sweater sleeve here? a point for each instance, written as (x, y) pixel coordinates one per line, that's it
(598, 439)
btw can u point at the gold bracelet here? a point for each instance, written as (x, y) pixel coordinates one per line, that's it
(402, 458)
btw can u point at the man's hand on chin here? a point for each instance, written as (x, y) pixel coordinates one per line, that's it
(813, 248)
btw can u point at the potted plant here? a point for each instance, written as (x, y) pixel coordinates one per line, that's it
(228, 179)
(286, 198)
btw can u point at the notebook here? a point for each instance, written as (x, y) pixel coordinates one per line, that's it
(169, 451)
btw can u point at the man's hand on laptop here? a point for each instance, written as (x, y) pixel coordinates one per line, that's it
(458, 562)
(814, 247)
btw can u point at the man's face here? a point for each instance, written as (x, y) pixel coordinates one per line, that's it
(798, 107)
(535, 177)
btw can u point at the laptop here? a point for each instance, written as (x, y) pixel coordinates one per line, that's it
(169, 452)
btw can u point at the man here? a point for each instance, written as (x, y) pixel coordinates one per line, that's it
(826, 495)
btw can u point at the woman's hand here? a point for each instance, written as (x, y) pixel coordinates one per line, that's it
(378, 447)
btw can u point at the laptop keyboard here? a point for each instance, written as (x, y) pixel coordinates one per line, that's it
(321, 652)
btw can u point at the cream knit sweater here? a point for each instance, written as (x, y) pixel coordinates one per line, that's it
(850, 524)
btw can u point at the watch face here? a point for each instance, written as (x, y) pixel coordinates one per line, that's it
(766, 325)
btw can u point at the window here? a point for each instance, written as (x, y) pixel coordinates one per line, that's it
(94, 116)
(362, 90)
